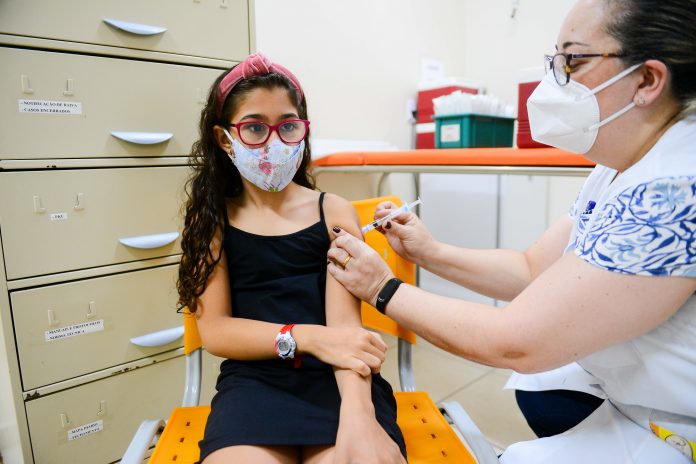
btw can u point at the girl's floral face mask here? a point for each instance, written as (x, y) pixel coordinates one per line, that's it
(270, 167)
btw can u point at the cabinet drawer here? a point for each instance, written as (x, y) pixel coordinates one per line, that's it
(67, 330)
(56, 221)
(58, 105)
(213, 29)
(93, 423)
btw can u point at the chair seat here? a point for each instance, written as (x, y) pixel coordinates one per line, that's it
(429, 438)
(179, 440)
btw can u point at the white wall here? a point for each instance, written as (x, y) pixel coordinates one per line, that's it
(359, 61)
(497, 46)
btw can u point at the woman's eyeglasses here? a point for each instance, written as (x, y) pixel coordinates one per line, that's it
(291, 131)
(559, 63)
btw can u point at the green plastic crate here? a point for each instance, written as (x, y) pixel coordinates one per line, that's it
(473, 130)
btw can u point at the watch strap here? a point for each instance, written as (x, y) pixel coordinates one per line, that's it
(387, 293)
(287, 328)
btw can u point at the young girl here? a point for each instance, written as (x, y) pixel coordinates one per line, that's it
(297, 384)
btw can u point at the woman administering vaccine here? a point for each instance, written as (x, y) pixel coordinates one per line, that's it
(612, 285)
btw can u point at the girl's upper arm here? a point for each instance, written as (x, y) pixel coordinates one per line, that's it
(341, 212)
(342, 308)
(215, 301)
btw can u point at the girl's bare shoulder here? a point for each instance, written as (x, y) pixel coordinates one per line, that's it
(341, 213)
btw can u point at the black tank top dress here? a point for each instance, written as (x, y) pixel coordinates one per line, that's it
(282, 279)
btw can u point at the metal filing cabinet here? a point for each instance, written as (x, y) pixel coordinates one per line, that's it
(99, 103)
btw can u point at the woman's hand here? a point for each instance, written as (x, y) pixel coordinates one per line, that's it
(357, 266)
(362, 440)
(351, 348)
(406, 234)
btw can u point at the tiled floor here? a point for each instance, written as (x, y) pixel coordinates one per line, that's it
(478, 388)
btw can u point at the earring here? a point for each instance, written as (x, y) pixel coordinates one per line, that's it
(641, 101)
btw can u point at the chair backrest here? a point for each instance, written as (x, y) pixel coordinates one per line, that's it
(403, 269)
(192, 339)
(371, 318)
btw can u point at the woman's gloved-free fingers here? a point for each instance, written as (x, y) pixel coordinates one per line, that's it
(385, 208)
(365, 273)
(410, 239)
(337, 255)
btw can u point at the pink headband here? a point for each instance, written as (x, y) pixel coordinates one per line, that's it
(256, 64)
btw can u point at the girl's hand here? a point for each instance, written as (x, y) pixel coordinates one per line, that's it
(351, 348)
(406, 234)
(357, 266)
(362, 440)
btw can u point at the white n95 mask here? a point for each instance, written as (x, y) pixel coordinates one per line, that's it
(568, 116)
(270, 167)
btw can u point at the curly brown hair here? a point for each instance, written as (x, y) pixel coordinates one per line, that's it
(215, 178)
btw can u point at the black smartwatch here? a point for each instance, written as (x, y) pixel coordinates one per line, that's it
(387, 293)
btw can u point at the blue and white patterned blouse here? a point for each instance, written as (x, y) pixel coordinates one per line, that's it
(643, 222)
(647, 229)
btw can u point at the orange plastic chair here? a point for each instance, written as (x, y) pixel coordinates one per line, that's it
(426, 427)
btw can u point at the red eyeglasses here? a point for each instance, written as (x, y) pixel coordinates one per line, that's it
(291, 131)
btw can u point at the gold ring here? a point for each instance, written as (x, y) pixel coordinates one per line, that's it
(345, 261)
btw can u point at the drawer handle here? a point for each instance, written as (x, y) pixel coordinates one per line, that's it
(161, 338)
(146, 242)
(143, 138)
(135, 28)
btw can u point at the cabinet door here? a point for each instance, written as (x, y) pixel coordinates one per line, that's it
(60, 105)
(563, 191)
(67, 330)
(523, 206)
(461, 210)
(93, 423)
(54, 221)
(213, 29)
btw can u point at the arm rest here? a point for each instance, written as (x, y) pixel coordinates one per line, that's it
(474, 439)
(141, 442)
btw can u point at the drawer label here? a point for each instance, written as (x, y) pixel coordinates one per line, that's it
(59, 216)
(84, 430)
(74, 330)
(49, 107)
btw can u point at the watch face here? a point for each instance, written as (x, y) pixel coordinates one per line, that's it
(283, 347)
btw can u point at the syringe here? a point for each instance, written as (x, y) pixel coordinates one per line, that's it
(403, 209)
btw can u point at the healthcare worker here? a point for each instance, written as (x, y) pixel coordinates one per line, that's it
(611, 286)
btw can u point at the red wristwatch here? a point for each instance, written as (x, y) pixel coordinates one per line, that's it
(285, 345)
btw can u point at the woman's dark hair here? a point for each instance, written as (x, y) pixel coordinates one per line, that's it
(663, 30)
(214, 178)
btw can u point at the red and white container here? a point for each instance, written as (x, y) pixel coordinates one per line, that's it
(425, 126)
(528, 80)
